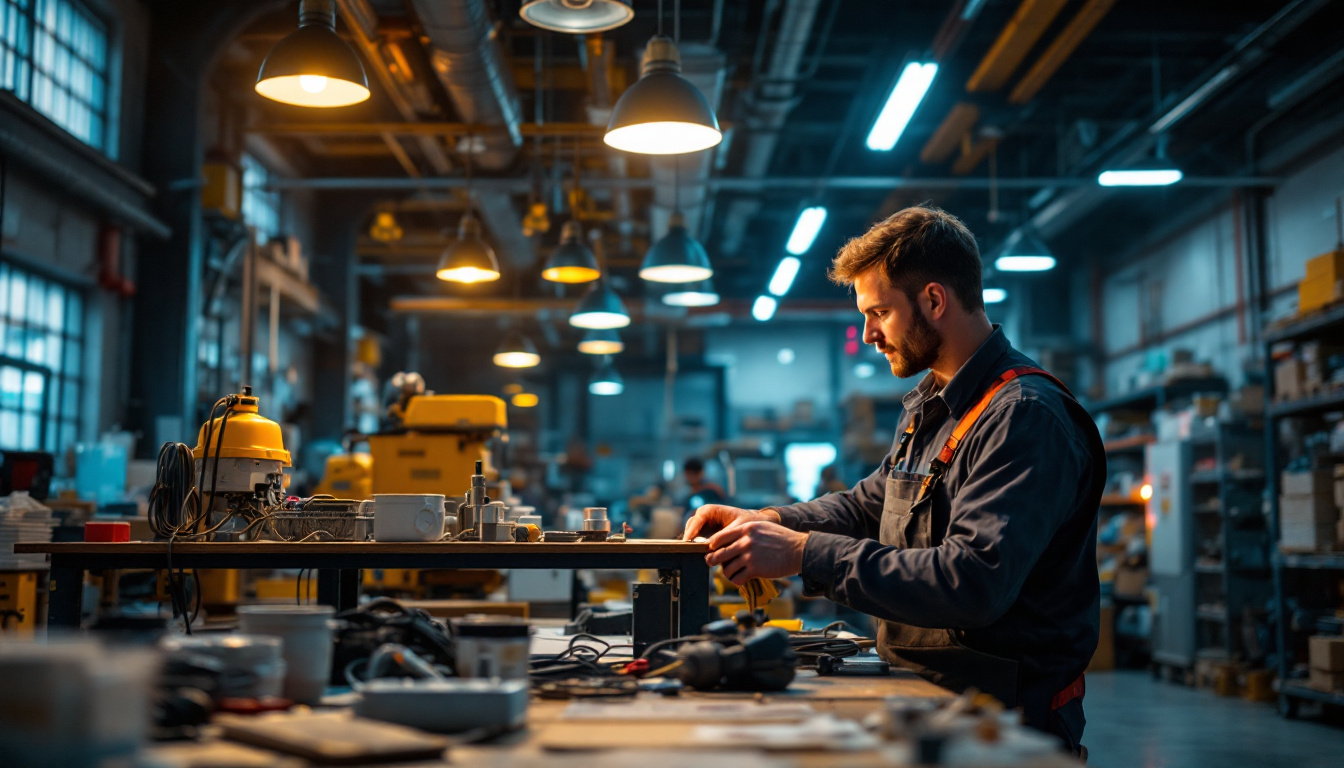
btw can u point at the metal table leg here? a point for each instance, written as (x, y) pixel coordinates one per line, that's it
(329, 587)
(67, 595)
(349, 597)
(692, 595)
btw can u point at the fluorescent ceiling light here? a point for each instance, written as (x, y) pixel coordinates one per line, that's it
(784, 274)
(864, 370)
(1140, 177)
(905, 97)
(995, 295)
(805, 230)
(764, 308)
(971, 9)
(1024, 263)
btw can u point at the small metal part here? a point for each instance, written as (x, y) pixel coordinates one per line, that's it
(830, 665)
(561, 536)
(595, 519)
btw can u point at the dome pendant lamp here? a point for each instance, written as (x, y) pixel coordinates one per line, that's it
(573, 261)
(701, 294)
(576, 17)
(600, 310)
(662, 113)
(468, 259)
(606, 381)
(312, 66)
(606, 342)
(517, 351)
(677, 257)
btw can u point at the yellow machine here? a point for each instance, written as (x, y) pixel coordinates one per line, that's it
(348, 476)
(18, 602)
(244, 457)
(442, 438)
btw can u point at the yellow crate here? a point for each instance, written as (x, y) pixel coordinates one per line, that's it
(1312, 294)
(286, 589)
(18, 602)
(1328, 267)
(220, 586)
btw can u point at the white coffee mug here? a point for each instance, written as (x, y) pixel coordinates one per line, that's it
(307, 636)
(407, 517)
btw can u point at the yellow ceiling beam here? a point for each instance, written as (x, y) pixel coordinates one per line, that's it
(947, 138)
(1016, 40)
(1078, 28)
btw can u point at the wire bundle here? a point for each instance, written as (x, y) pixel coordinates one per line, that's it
(812, 645)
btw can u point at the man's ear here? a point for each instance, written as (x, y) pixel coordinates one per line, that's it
(936, 296)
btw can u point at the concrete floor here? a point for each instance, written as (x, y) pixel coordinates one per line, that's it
(1134, 721)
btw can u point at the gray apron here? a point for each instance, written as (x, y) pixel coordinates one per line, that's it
(936, 654)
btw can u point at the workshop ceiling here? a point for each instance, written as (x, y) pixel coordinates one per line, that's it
(1035, 95)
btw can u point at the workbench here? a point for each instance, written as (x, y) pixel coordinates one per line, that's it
(552, 741)
(338, 564)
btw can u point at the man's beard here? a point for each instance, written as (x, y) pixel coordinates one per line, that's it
(917, 350)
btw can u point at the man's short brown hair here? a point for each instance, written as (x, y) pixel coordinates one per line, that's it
(915, 247)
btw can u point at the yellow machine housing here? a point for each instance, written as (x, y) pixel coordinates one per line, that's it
(442, 438)
(348, 476)
(18, 602)
(249, 435)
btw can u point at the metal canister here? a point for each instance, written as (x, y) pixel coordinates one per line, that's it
(595, 519)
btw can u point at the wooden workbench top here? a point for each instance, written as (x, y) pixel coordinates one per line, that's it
(646, 546)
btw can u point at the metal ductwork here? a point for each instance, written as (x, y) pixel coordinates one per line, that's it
(768, 110)
(470, 63)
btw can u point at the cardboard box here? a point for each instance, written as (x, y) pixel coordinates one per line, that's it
(1289, 378)
(1320, 482)
(1326, 652)
(1104, 657)
(1322, 680)
(1307, 523)
(1130, 582)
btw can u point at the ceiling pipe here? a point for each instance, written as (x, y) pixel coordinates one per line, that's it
(469, 61)
(754, 185)
(768, 110)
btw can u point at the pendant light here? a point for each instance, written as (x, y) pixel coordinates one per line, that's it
(1024, 252)
(601, 342)
(517, 351)
(385, 228)
(676, 257)
(468, 259)
(606, 381)
(572, 262)
(312, 66)
(601, 309)
(662, 113)
(701, 294)
(577, 17)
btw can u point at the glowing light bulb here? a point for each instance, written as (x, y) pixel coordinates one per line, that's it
(1146, 491)
(313, 83)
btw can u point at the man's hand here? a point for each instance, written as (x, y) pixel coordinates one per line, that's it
(723, 516)
(756, 548)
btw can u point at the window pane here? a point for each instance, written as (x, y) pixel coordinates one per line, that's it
(53, 348)
(34, 385)
(37, 293)
(4, 290)
(11, 388)
(72, 359)
(74, 314)
(18, 297)
(55, 308)
(35, 347)
(68, 434)
(13, 342)
(9, 429)
(51, 440)
(28, 436)
(70, 401)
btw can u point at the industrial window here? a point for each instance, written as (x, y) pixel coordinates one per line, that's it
(41, 362)
(53, 55)
(261, 206)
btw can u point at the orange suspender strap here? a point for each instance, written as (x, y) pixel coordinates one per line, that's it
(1075, 690)
(939, 465)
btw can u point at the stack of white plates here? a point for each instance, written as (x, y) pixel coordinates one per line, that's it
(16, 527)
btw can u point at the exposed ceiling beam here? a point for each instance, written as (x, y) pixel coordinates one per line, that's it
(1021, 32)
(753, 185)
(1078, 28)
(947, 138)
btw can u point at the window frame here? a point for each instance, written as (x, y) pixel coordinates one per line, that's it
(57, 428)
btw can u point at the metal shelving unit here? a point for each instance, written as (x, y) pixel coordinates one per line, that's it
(1306, 575)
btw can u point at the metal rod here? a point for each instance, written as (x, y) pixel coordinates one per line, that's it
(746, 184)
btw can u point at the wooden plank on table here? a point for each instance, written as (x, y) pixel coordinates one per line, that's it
(360, 547)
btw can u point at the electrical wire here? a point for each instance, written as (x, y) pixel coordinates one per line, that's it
(811, 646)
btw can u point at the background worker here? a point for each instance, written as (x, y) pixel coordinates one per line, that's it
(977, 554)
